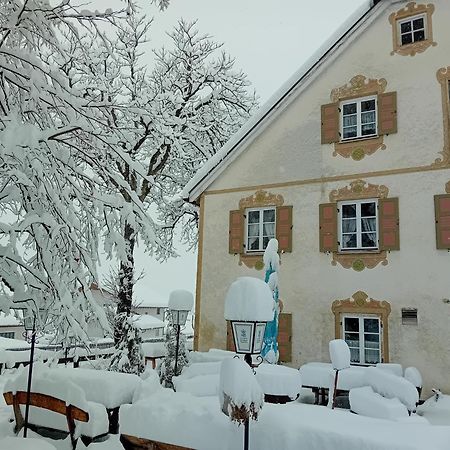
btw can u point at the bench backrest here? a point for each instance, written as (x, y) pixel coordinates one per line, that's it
(46, 402)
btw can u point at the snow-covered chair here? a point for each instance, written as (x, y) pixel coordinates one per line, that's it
(340, 360)
(389, 385)
(413, 375)
(364, 401)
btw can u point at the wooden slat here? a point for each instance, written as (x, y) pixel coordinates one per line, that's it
(284, 228)
(236, 232)
(136, 443)
(328, 240)
(330, 123)
(387, 113)
(389, 235)
(285, 337)
(442, 219)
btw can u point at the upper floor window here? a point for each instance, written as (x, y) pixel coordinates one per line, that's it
(412, 29)
(260, 226)
(359, 118)
(358, 225)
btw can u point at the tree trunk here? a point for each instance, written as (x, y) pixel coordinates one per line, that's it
(126, 282)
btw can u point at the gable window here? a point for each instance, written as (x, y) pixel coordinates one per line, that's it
(412, 29)
(260, 227)
(358, 225)
(359, 118)
(363, 336)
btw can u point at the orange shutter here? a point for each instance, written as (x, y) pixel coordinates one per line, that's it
(285, 337)
(387, 113)
(389, 235)
(230, 341)
(236, 232)
(442, 216)
(330, 123)
(328, 227)
(284, 228)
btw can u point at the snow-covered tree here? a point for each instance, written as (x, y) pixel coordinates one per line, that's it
(172, 118)
(167, 368)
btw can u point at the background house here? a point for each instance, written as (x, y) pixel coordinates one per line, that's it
(153, 307)
(11, 327)
(348, 165)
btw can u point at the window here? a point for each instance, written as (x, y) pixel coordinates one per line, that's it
(7, 334)
(359, 118)
(412, 29)
(363, 336)
(158, 311)
(260, 228)
(409, 316)
(358, 225)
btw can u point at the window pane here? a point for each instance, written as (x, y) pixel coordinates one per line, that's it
(266, 241)
(368, 209)
(371, 325)
(253, 243)
(352, 339)
(349, 108)
(371, 356)
(368, 117)
(349, 121)
(419, 35)
(351, 324)
(269, 215)
(354, 355)
(253, 230)
(368, 240)
(348, 211)
(368, 224)
(418, 23)
(368, 130)
(368, 105)
(349, 241)
(349, 225)
(253, 216)
(372, 341)
(269, 230)
(405, 27)
(349, 132)
(406, 38)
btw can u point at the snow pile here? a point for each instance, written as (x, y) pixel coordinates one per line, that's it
(394, 368)
(391, 386)
(239, 392)
(181, 300)
(279, 380)
(366, 402)
(16, 443)
(249, 299)
(413, 376)
(436, 409)
(200, 385)
(150, 385)
(213, 355)
(203, 368)
(339, 354)
(147, 322)
(271, 258)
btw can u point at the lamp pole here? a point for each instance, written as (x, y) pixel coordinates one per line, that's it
(30, 374)
(177, 327)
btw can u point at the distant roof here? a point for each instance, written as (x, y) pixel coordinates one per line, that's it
(9, 320)
(149, 302)
(147, 322)
(215, 165)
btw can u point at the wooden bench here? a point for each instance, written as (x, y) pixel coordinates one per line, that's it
(44, 401)
(134, 443)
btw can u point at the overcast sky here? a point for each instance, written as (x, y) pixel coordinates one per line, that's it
(270, 40)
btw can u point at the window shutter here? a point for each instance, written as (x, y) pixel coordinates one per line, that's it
(285, 337)
(236, 232)
(284, 228)
(389, 235)
(328, 227)
(330, 123)
(442, 216)
(230, 341)
(387, 113)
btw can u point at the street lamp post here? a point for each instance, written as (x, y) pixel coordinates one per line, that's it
(29, 323)
(248, 306)
(180, 303)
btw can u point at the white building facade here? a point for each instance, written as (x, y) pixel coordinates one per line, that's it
(349, 167)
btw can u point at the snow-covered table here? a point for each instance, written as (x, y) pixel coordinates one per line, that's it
(111, 389)
(17, 443)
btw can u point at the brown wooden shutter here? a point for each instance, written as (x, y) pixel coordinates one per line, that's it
(442, 216)
(284, 228)
(328, 241)
(285, 337)
(388, 219)
(387, 113)
(236, 232)
(230, 341)
(330, 123)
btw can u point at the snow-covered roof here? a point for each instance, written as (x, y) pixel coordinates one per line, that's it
(9, 320)
(211, 170)
(151, 303)
(147, 322)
